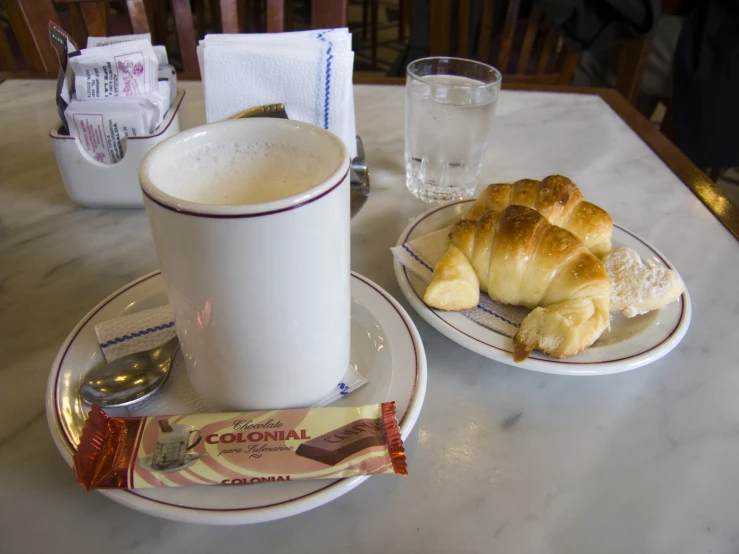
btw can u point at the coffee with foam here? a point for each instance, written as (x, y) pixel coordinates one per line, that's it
(236, 174)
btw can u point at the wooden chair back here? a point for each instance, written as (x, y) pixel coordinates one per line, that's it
(324, 14)
(30, 22)
(631, 62)
(528, 49)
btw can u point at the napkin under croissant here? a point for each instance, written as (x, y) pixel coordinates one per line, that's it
(508, 246)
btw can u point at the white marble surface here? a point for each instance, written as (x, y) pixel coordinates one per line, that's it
(502, 460)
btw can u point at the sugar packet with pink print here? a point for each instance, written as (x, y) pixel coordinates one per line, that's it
(116, 70)
(92, 41)
(103, 127)
(160, 51)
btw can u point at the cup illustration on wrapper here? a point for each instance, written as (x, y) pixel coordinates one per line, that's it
(173, 445)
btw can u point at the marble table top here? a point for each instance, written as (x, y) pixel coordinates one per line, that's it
(501, 459)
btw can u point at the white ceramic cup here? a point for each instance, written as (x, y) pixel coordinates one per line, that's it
(260, 292)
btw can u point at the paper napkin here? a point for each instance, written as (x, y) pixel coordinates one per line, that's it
(420, 256)
(310, 72)
(148, 329)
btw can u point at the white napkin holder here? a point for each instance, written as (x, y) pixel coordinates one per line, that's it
(98, 185)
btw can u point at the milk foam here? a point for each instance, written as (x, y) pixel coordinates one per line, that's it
(234, 174)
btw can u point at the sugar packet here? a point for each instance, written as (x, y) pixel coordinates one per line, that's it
(161, 54)
(93, 42)
(167, 75)
(160, 51)
(102, 127)
(116, 70)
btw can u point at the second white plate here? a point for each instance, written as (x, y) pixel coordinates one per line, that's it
(630, 343)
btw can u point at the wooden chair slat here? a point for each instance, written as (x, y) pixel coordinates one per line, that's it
(374, 15)
(567, 65)
(104, 6)
(631, 63)
(214, 7)
(161, 15)
(93, 18)
(439, 18)
(327, 14)
(149, 9)
(275, 16)
(185, 35)
(229, 16)
(7, 61)
(137, 16)
(508, 35)
(521, 44)
(75, 24)
(463, 32)
(289, 23)
(254, 21)
(549, 45)
(486, 30)
(30, 21)
(528, 40)
(198, 16)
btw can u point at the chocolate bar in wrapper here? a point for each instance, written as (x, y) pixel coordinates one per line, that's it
(238, 447)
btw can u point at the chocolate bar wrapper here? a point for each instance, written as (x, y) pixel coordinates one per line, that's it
(238, 447)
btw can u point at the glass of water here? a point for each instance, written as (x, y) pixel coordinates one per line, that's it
(449, 109)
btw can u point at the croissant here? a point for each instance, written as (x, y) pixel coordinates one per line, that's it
(559, 200)
(519, 258)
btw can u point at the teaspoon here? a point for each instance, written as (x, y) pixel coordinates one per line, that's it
(131, 378)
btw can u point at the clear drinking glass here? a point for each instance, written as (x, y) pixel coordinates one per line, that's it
(449, 109)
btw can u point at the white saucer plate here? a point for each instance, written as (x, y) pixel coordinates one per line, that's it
(385, 347)
(630, 343)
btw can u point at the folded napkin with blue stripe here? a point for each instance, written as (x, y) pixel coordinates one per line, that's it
(419, 256)
(310, 72)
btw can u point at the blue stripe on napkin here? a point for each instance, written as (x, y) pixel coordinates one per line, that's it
(135, 334)
(327, 84)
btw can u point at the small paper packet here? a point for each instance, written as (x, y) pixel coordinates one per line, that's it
(160, 51)
(94, 42)
(103, 127)
(117, 70)
(161, 54)
(167, 73)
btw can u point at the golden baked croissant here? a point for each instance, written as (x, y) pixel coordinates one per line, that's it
(519, 258)
(559, 200)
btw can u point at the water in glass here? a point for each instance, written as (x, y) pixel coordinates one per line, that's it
(448, 121)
